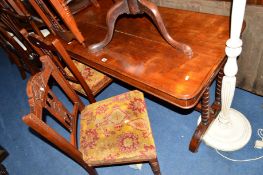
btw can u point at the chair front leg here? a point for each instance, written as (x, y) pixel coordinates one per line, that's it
(155, 166)
(91, 170)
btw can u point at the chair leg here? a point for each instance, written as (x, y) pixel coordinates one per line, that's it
(91, 170)
(155, 166)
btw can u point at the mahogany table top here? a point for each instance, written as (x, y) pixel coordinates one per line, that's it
(138, 55)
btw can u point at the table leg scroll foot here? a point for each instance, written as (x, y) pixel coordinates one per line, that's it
(112, 15)
(152, 10)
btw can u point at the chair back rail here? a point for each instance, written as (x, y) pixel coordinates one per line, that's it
(59, 55)
(15, 16)
(64, 12)
(9, 49)
(12, 22)
(20, 52)
(51, 19)
(21, 10)
(14, 5)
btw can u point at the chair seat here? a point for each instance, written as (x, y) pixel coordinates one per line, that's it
(116, 130)
(94, 79)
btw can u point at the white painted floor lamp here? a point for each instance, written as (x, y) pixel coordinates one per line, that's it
(231, 130)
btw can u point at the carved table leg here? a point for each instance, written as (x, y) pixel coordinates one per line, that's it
(206, 118)
(152, 10)
(217, 103)
(118, 9)
(208, 113)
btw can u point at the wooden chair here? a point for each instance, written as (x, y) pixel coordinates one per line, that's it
(18, 55)
(113, 131)
(3, 155)
(10, 50)
(52, 22)
(83, 79)
(15, 17)
(11, 24)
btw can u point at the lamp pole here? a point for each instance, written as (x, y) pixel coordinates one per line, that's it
(231, 130)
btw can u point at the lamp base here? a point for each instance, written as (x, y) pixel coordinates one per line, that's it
(230, 136)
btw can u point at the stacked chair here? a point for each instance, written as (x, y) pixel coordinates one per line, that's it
(17, 54)
(19, 50)
(67, 30)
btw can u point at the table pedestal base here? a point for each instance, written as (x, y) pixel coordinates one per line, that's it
(134, 7)
(229, 136)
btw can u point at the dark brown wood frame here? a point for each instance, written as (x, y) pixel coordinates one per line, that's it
(60, 56)
(52, 21)
(18, 55)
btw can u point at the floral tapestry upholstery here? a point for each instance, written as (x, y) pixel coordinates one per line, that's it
(116, 130)
(94, 79)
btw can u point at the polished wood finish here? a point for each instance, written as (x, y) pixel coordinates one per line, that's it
(76, 6)
(208, 113)
(42, 97)
(52, 22)
(65, 14)
(142, 58)
(139, 56)
(135, 7)
(17, 9)
(21, 10)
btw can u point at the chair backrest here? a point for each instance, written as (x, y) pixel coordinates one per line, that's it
(61, 59)
(11, 53)
(12, 22)
(20, 9)
(17, 6)
(41, 96)
(51, 20)
(15, 21)
(15, 51)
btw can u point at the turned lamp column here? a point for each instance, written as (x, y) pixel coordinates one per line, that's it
(231, 130)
